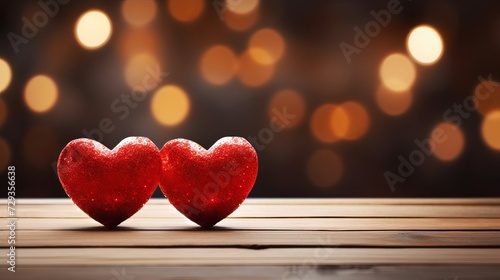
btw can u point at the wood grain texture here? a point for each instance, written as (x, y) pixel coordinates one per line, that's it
(267, 224)
(272, 234)
(293, 272)
(254, 210)
(256, 239)
(272, 256)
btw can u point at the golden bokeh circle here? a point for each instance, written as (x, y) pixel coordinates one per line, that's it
(93, 29)
(170, 105)
(40, 93)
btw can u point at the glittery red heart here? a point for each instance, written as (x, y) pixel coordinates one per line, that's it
(110, 185)
(208, 185)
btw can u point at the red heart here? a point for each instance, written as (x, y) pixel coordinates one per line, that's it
(208, 185)
(110, 185)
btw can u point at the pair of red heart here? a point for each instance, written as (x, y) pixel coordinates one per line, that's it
(112, 185)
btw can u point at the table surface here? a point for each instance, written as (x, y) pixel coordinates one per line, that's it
(263, 239)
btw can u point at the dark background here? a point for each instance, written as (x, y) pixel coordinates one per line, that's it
(312, 65)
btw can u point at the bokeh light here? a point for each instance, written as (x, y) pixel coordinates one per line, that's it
(93, 29)
(320, 123)
(487, 96)
(397, 72)
(170, 105)
(266, 46)
(250, 63)
(339, 122)
(424, 44)
(3, 112)
(490, 129)
(218, 65)
(139, 12)
(5, 154)
(241, 22)
(393, 103)
(286, 102)
(39, 146)
(40, 93)
(447, 141)
(242, 6)
(5, 75)
(252, 73)
(186, 10)
(325, 168)
(138, 69)
(350, 120)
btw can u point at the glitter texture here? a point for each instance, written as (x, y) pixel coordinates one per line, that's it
(110, 185)
(208, 185)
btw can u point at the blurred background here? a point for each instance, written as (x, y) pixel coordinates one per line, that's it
(339, 98)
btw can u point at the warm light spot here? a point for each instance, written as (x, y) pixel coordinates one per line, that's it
(393, 103)
(487, 96)
(397, 72)
(40, 93)
(186, 10)
(5, 154)
(261, 56)
(241, 6)
(139, 12)
(340, 122)
(136, 41)
(321, 124)
(241, 22)
(252, 73)
(490, 129)
(425, 45)
(447, 141)
(287, 108)
(93, 29)
(266, 46)
(170, 105)
(3, 112)
(5, 75)
(218, 65)
(139, 69)
(325, 168)
(39, 146)
(350, 121)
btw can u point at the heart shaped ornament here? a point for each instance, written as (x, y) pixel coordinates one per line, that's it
(110, 185)
(208, 185)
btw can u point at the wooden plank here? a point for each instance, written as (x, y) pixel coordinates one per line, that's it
(306, 201)
(235, 256)
(369, 201)
(54, 236)
(284, 210)
(333, 224)
(254, 239)
(305, 271)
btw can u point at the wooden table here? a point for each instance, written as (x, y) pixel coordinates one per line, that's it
(263, 239)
